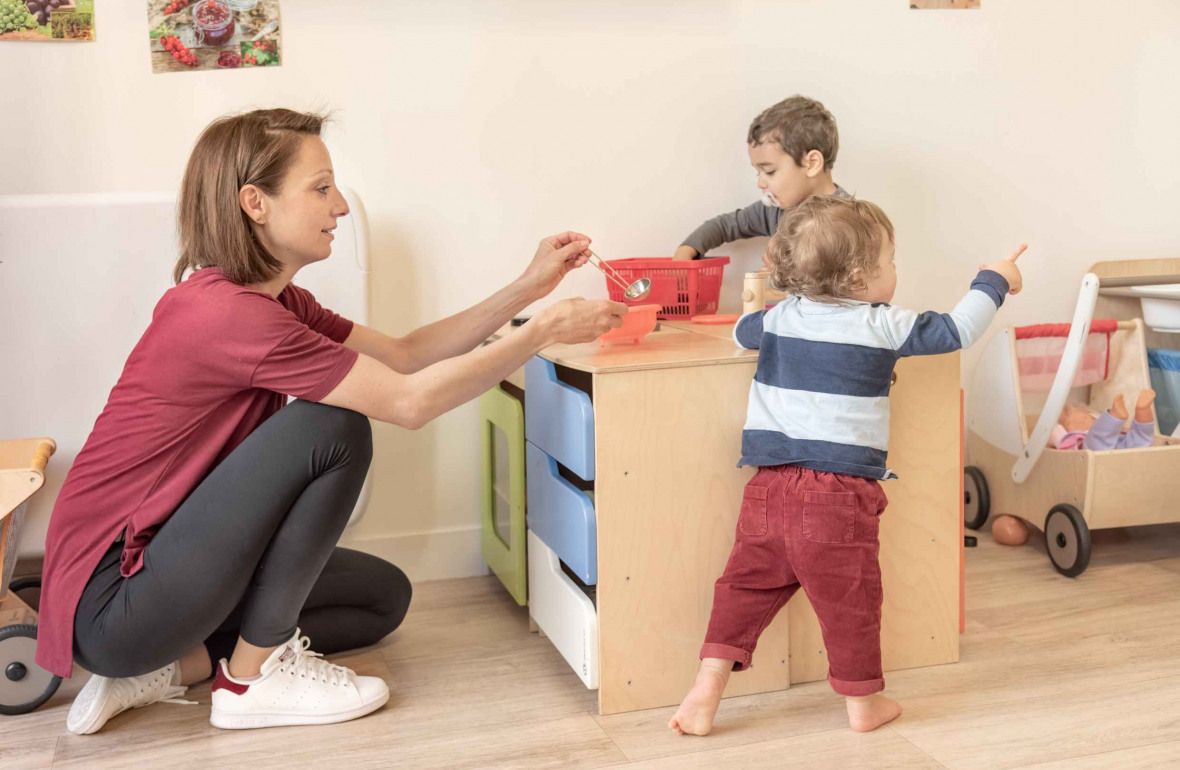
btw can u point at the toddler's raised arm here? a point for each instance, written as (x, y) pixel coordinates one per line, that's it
(932, 333)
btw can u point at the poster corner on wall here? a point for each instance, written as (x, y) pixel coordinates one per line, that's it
(188, 35)
(918, 5)
(47, 21)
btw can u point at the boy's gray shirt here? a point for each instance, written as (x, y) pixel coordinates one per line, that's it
(750, 222)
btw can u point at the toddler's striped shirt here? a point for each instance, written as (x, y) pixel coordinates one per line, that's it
(820, 396)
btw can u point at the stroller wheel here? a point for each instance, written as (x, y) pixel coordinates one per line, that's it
(1067, 539)
(23, 684)
(977, 502)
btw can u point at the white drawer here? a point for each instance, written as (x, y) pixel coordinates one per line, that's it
(561, 609)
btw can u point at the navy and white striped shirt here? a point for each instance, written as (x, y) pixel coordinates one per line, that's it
(820, 397)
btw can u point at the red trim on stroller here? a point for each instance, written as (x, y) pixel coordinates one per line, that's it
(1097, 326)
(1107, 326)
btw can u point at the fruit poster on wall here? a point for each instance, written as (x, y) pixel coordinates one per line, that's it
(55, 21)
(213, 34)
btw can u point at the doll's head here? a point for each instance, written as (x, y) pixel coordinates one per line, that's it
(1077, 418)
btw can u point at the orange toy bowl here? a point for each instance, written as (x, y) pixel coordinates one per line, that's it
(637, 324)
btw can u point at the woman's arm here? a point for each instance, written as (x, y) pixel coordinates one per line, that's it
(412, 400)
(462, 332)
(443, 339)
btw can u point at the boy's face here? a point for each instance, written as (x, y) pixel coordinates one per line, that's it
(880, 287)
(783, 181)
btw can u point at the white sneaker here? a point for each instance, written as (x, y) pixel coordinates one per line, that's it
(103, 697)
(296, 687)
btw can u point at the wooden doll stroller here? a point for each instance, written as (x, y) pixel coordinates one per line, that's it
(1017, 392)
(23, 684)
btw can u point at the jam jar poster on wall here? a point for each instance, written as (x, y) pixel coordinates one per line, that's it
(52, 21)
(213, 34)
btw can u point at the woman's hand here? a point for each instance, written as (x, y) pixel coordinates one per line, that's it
(412, 400)
(579, 320)
(556, 256)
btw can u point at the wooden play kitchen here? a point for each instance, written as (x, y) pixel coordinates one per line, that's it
(626, 455)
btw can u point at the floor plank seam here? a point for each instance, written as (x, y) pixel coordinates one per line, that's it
(1095, 754)
(626, 759)
(727, 747)
(919, 748)
(796, 736)
(56, 752)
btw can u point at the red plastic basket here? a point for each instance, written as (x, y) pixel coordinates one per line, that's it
(681, 288)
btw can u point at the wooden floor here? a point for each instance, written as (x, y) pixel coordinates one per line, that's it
(1055, 674)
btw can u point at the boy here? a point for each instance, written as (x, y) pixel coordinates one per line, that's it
(818, 428)
(792, 147)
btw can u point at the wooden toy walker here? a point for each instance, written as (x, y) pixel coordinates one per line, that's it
(1018, 389)
(23, 684)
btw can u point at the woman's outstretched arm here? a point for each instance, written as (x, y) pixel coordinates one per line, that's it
(412, 400)
(462, 332)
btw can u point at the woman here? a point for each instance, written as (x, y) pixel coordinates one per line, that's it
(196, 531)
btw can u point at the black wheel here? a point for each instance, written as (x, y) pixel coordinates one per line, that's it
(23, 684)
(1067, 539)
(977, 501)
(28, 589)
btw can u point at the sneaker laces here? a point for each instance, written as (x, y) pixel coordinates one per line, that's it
(156, 687)
(312, 664)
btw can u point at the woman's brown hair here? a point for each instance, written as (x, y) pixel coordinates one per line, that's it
(826, 247)
(255, 148)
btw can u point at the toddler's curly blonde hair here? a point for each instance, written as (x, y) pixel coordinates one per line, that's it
(827, 247)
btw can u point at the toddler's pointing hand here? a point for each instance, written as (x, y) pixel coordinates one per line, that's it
(1007, 268)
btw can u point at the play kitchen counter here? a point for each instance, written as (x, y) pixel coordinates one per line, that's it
(633, 498)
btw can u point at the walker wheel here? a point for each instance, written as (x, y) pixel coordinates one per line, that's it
(1067, 539)
(28, 589)
(977, 501)
(23, 684)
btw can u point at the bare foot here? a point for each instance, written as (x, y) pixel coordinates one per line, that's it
(1143, 406)
(1118, 409)
(867, 713)
(696, 712)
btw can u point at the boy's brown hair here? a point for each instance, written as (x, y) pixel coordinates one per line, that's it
(798, 125)
(255, 148)
(827, 247)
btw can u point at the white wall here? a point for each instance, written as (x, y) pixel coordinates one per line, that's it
(474, 128)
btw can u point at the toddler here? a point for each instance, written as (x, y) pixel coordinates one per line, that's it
(792, 148)
(818, 429)
(1081, 429)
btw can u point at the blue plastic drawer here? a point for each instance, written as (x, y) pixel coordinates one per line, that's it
(559, 418)
(561, 515)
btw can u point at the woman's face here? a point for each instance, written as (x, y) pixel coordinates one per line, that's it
(298, 223)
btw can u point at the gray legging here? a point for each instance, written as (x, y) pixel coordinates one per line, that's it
(251, 552)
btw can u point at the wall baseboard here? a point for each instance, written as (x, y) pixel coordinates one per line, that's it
(433, 555)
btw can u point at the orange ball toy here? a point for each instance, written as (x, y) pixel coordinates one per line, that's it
(1009, 530)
